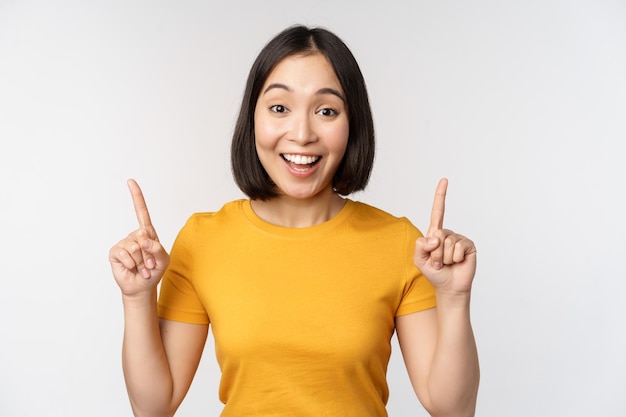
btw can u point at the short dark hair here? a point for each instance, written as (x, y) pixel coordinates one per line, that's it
(354, 170)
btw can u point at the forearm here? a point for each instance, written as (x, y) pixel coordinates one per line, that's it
(454, 375)
(146, 369)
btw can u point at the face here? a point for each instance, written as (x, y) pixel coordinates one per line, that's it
(301, 126)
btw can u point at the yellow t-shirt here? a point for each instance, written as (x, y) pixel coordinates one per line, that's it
(302, 318)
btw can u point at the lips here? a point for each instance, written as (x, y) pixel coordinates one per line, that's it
(301, 159)
(301, 165)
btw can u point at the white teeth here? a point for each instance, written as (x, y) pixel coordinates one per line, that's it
(300, 159)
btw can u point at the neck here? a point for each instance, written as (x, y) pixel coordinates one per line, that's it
(293, 212)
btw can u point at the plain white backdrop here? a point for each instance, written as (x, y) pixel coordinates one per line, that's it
(522, 105)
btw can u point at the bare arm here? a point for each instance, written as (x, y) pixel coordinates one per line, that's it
(159, 357)
(438, 345)
(440, 355)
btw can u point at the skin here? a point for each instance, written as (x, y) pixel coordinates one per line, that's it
(301, 111)
(160, 357)
(438, 345)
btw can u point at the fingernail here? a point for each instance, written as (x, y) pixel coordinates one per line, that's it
(432, 240)
(437, 265)
(150, 263)
(145, 273)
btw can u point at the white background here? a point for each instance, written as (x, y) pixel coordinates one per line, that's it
(521, 105)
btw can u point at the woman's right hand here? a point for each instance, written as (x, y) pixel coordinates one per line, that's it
(138, 261)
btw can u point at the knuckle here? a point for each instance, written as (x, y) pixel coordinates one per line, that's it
(134, 249)
(143, 233)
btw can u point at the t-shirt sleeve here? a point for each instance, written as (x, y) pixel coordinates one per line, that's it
(178, 299)
(419, 293)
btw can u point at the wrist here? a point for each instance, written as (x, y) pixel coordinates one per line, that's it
(141, 300)
(452, 299)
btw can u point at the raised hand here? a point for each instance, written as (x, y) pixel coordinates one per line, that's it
(138, 261)
(446, 258)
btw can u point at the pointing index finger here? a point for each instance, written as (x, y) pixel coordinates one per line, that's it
(141, 210)
(439, 206)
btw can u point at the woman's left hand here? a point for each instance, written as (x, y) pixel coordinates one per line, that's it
(446, 258)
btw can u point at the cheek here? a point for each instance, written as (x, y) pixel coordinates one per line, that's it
(260, 133)
(265, 132)
(339, 138)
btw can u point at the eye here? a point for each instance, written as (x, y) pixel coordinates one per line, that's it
(278, 108)
(327, 112)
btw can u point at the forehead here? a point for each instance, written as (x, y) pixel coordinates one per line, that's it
(302, 71)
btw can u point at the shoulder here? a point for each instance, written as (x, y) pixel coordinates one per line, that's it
(211, 227)
(373, 217)
(210, 222)
(375, 212)
(228, 212)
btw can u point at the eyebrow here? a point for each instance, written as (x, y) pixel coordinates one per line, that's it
(325, 90)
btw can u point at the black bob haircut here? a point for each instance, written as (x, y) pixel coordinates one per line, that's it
(354, 170)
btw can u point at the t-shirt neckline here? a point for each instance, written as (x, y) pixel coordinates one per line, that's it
(297, 232)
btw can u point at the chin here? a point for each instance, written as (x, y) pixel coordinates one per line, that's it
(301, 194)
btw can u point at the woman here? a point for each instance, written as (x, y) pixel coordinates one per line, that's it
(303, 287)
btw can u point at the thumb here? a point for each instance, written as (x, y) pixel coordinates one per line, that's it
(423, 247)
(155, 250)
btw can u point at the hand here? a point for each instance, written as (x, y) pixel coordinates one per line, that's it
(446, 258)
(138, 261)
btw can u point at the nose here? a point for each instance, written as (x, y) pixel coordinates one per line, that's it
(303, 129)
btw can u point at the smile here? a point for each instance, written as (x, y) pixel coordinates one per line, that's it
(301, 159)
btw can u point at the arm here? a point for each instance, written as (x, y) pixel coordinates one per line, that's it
(438, 345)
(159, 358)
(440, 355)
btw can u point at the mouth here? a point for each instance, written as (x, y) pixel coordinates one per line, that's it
(301, 162)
